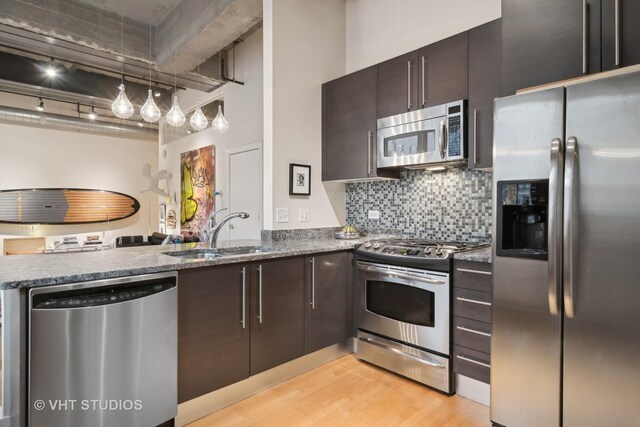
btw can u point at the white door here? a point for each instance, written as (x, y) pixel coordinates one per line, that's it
(245, 192)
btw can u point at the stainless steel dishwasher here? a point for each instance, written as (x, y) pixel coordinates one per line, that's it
(103, 353)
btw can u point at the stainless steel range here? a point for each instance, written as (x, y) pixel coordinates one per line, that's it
(403, 304)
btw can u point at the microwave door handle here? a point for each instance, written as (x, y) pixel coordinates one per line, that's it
(555, 232)
(570, 234)
(442, 139)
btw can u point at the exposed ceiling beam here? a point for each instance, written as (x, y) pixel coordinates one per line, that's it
(79, 23)
(197, 29)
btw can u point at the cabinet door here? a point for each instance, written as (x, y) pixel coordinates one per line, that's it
(621, 42)
(329, 300)
(398, 85)
(213, 344)
(443, 71)
(544, 41)
(484, 85)
(277, 309)
(349, 126)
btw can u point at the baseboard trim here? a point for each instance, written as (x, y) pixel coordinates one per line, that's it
(202, 406)
(473, 389)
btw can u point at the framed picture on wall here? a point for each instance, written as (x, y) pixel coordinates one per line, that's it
(299, 180)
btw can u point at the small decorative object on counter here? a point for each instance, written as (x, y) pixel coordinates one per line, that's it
(347, 232)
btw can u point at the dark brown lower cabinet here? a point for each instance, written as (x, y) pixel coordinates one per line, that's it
(328, 300)
(213, 345)
(277, 313)
(472, 299)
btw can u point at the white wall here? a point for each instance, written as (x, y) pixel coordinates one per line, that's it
(378, 30)
(243, 110)
(44, 158)
(304, 46)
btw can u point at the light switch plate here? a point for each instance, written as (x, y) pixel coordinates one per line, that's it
(303, 215)
(282, 214)
(374, 214)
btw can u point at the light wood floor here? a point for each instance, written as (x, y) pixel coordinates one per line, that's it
(348, 392)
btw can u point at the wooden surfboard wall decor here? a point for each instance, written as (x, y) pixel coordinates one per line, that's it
(64, 206)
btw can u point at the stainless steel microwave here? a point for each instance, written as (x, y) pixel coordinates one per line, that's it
(433, 136)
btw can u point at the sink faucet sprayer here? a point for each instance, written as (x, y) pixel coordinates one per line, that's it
(215, 227)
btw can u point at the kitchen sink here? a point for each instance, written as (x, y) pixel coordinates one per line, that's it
(209, 254)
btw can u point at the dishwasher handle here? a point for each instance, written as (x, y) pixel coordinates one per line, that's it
(92, 297)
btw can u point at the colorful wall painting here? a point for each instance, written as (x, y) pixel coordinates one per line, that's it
(197, 179)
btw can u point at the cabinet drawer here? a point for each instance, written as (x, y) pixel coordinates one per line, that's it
(473, 275)
(472, 304)
(472, 334)
(471, 363)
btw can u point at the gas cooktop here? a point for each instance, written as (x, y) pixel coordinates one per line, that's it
(416, 247)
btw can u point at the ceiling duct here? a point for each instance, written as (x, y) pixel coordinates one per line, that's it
(18, 116)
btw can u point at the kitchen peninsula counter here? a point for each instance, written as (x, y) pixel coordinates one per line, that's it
(28, 271)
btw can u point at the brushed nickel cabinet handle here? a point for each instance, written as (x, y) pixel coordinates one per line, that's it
(244, 297)
(260, 293)
(466, 359)
(475, 136)
(468, 270)
(617, 30)
(473, 301)
(408, 85)
(585, 37)
(313, 283)
(473, 331)
(424, 82)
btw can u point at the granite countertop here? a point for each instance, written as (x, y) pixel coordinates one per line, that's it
(27, 271)
(477, 255)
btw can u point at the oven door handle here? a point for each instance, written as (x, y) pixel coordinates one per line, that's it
(402, 353)
(402, 275)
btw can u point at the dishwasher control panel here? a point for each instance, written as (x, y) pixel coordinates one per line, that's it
(96, 297)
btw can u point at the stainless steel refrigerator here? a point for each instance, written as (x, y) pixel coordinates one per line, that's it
(566, 304)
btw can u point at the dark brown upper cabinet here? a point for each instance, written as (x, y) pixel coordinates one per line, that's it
(349, 128)
(442, 71)
(620, 34)
(545, 41)
(433, 75)
(398, 85)
(329, 313)
(484, 86)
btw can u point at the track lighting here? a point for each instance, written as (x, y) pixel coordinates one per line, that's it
(40, 106)
(92, 114)
(156, 92)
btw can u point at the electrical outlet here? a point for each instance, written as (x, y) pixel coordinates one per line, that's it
(303, 215)
(374, 214)
(282, 214)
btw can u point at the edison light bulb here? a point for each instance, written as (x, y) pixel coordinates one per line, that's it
(122, 107)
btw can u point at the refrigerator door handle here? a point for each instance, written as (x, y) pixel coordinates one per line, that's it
(555, 231)
(569, 231)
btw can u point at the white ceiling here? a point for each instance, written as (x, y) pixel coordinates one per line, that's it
(145, 11)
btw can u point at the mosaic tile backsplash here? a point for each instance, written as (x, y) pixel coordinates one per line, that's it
(449, 205)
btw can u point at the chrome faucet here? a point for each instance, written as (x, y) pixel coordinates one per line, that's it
(216, 227)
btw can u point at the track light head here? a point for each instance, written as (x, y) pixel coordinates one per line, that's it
(40, 106)
(92, 114)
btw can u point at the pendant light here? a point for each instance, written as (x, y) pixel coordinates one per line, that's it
(150, 111)
(198, 120)
(175, 116)
(220, 123)
(122, 107)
